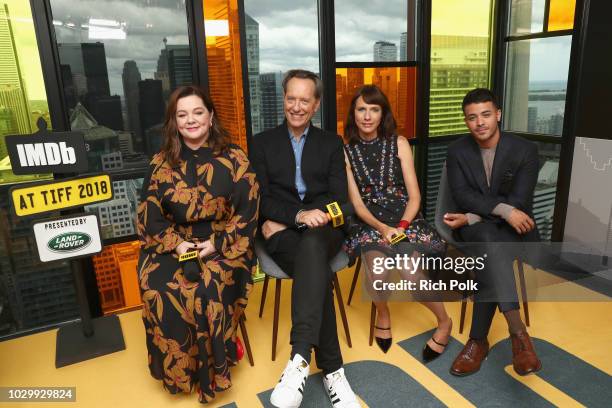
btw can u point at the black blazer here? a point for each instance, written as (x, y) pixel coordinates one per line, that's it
(323, 171)
(513, 178)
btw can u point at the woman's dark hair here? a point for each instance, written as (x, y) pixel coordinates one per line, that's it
(218, 137)
(372, 95)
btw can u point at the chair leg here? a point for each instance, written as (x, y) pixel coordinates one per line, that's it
(245, 337)
(275, 321)
(521, 272)
(342, 311)
(372, 322)
(263, 295)
(354, 283)
(462, 318)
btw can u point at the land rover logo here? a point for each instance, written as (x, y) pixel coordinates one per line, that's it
(69, 242)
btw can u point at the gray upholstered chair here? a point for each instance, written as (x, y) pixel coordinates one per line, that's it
(272, 270)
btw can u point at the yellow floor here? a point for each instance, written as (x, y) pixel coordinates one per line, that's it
(122, 379)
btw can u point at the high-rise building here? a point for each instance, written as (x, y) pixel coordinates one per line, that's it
(151, 111)
(252, 39)
(532, 119)
(404, 46)
(13, 97)
(94, 66)
(385, 51)
(174, 67)
(130, 78)
(458, 65)
(272, 113)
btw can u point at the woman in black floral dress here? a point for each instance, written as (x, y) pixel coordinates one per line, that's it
(200, 194)
(384, 191)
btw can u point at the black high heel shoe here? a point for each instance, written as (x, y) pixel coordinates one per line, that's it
(383, 344)
(430, 354)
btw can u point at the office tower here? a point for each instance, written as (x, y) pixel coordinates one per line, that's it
(179, 66)
(151, 111)
(272, 113)
(458, 64)
(12, 88)
(404, 46)
(532, 119)
(173, 67)
(94, 66)
(384, 51)
(71, 55)
(556, 124)
(386, 79)
(130, 78)
(252, 39)
(70, 91)
(36, 293)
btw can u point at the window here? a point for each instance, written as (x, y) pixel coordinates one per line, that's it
(537, 64)
(224, 66)
(120, 60)
(459, 61)
(375, 31)
(22, 91)
(398, 83)
(270, 55)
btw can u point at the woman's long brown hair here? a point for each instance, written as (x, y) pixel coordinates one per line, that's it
(372, 95)
(218, 137)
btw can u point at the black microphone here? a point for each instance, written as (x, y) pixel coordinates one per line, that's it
(191, 266)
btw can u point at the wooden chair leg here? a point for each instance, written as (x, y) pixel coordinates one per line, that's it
(354, 283)
(521, 273)
(372, 322)
(263, 295)
(275, 321)
(245, 338)
(342, 311)
(462, 318)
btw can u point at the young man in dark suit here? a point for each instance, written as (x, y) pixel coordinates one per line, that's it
(300, 169)
(492, 178)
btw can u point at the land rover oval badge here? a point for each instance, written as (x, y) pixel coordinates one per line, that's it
(69, 242)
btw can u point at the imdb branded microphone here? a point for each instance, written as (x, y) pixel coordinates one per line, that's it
(191, 266)
(341, 215)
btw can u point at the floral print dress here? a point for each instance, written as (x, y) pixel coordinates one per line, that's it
(377, 171)
(191, 327)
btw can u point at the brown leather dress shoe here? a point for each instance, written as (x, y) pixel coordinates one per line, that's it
(524, 358)
(471, 357)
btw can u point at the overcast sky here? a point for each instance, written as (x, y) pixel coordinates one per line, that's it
(288, 31)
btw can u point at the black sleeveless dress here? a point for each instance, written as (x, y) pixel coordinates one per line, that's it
(377, 171)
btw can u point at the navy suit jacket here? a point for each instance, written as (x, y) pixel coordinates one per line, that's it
(322, 166)
(513, 178)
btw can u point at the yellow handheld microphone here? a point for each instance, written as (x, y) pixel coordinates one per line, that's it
(397, 238)
(335, 214)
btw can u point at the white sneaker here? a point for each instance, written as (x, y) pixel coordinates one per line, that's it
(289, 391)
(339, 391)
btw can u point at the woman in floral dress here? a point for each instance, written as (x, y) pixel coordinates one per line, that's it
(200, 194)
(384, 191)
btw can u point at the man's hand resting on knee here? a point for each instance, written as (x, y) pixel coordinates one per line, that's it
(270, 228)
(520, 221)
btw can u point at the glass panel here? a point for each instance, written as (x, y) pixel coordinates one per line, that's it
(385, 40)
(119, 61)
(536, 83)
(399, 84)
(117, 277)
(22, 91)
(270, 56)
(224, 66)
(32, 293)
(527, 16)
(460, 61)
(117, 215)
(546, 189)
(561, 15)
